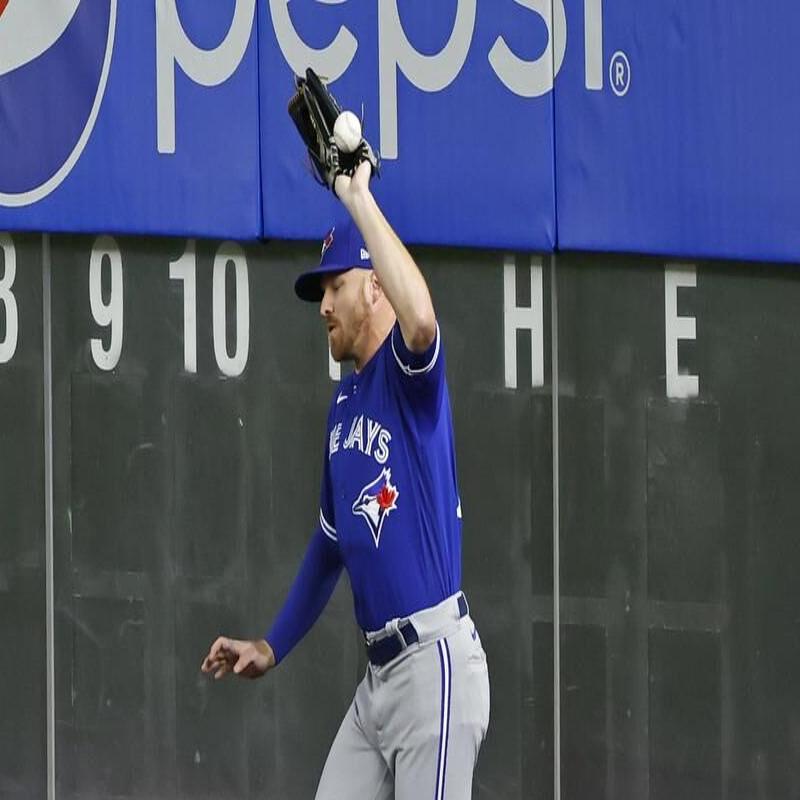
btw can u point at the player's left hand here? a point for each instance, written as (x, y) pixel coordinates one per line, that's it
(247, 659)
(348, 188)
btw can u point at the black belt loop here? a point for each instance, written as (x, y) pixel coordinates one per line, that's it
(463, 605)
(385, 650)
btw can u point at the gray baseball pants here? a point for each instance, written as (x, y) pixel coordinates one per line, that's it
(416, 724)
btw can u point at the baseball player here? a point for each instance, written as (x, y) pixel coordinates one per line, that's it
(390, 514)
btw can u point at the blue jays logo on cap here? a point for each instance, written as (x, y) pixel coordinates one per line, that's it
(343, 248)
(55, 56)
(327, 242)
(375, 501)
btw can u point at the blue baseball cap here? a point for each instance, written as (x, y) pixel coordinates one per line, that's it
(343, 248)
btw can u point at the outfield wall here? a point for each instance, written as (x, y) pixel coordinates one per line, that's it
(611, 126)
(184, 487)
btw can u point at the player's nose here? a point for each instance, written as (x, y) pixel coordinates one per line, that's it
(326, 304)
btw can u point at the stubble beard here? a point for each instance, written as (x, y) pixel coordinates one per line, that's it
(339, 350)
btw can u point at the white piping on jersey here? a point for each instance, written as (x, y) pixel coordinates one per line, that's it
(428, 367)
(327, 528)
(341, 398)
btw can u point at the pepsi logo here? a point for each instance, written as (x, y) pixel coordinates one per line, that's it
(55, 57)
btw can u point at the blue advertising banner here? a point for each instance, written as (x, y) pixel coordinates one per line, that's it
(129, 116)
(679, 135)
(522, 124)
(457, 97)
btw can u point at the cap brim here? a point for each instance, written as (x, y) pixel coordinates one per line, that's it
(308, 286)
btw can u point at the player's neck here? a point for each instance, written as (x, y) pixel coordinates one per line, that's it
(379, 328)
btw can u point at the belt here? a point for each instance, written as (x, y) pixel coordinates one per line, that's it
(384, 650)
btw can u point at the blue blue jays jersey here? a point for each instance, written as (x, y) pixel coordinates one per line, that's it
(389, 493)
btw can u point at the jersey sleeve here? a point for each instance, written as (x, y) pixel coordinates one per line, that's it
(422, 375)
(308, 595)
(318, 574)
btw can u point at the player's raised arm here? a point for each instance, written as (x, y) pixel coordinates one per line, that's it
(399, 276)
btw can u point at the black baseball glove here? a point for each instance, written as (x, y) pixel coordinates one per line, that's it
(314, 111)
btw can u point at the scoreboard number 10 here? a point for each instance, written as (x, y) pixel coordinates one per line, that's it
(185, 270)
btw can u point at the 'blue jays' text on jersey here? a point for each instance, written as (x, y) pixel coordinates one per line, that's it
(389, 492)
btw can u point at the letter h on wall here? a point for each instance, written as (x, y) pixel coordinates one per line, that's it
(529, 318)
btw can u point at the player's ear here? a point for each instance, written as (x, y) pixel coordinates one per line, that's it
(374, 288)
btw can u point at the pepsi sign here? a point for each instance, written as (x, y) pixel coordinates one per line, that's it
(516, 124)
(131, 117)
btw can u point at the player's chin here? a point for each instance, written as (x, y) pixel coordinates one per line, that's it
(337, 348)
(336, 354)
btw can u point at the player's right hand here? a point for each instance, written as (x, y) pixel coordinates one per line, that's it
(247, 659)
(348, 188)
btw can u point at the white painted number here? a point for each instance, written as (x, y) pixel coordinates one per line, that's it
(9, 345)
(185, 269)
(108, 314)
(680, 384)
(231, 253)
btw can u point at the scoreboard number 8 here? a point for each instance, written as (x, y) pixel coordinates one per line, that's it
(9, 344)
